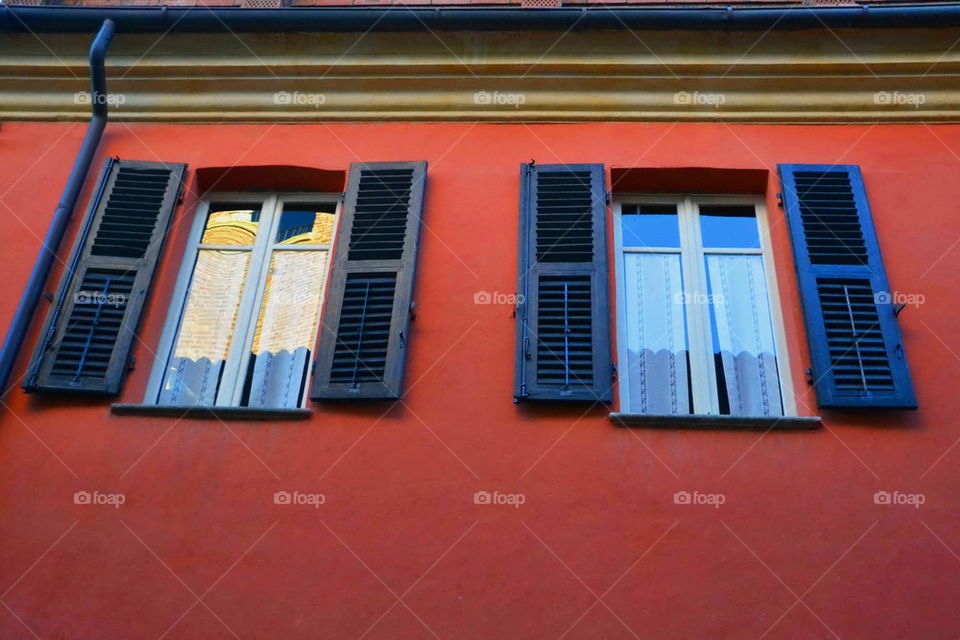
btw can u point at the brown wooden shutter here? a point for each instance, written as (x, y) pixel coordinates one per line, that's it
(563, 336)
(363, 338)
(86, 339)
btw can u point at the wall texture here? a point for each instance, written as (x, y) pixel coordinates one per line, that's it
(799, 549)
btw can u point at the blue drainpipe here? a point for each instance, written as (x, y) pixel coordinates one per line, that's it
(41, 269)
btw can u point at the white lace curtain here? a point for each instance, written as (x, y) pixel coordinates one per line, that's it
(744, 331)
(656, 335)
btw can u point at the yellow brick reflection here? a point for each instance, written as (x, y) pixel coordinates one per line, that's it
(230, 227)
(292, 300)
(211, 313)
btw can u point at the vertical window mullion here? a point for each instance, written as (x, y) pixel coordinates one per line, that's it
(703, 307)
(234, 369)
(703, 375)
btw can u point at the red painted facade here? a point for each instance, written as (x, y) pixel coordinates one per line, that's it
(399, 521)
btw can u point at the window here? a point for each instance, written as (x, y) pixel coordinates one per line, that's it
(247, 306)
(698, 331)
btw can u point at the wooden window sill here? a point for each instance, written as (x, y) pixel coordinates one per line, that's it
(210, 413)
(705, 422)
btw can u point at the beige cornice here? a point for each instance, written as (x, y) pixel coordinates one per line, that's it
(881, 75)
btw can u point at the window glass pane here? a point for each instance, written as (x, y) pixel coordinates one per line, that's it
(650, 225)
(744, 350)
(231, 224)
(286, 329)
(203, 341)
(306, 224)
(729, 226)
(656, 331)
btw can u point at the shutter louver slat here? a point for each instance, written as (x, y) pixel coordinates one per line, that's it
(564, 339)
(94, 325)
(563, 344)
(361, 350)
(128, 219)
(87, 337)
(854, 338)
(564, 226)
(380, 215)
(365, 323)
(855, 344)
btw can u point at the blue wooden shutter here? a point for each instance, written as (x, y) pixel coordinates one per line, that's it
(855, 346)
(85, 343)
(363, 339)
(563, 335)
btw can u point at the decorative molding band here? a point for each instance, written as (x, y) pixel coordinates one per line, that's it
(890, 75)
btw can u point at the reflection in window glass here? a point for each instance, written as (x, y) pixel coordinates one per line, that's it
(725, 226)
(657, 351)
(252, 306)
(303, 225)
(203, 340)
(231, 224)
(743, 343)
(650, 225)
(286, 329)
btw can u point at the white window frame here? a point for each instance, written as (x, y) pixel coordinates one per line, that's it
(251, 299)
(693, 268)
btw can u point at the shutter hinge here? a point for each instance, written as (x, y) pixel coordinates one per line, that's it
(809, 373)
(413, 311)
(607, 195)
(780, 200)
(526, 348)
(181, 189)
(613, 370)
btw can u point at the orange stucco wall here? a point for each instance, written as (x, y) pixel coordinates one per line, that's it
(399, 520)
